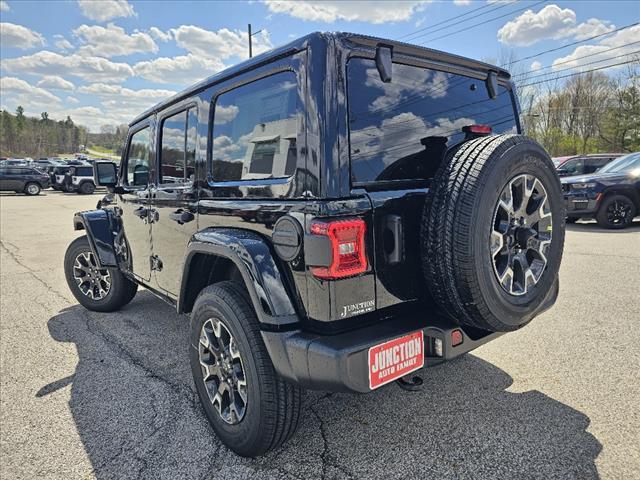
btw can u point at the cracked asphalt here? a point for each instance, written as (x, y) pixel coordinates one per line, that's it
(91, 395)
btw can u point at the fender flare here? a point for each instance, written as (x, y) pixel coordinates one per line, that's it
(100, 226)
(256, 263)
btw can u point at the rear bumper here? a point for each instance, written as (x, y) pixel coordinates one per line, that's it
(339, 363)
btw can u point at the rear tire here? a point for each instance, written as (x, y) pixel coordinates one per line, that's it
(32, 189)
(616, 211)
(270, 414)
(496, 284)
(99, 289)
(87, 188)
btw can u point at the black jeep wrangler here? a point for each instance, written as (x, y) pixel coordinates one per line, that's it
(334, 214)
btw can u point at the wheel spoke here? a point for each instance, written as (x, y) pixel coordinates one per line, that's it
(222, 370)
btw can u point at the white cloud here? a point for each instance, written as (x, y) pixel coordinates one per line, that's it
(159, 35)
(17, 36)
(121, 100)
(103, 10)
(462, 2)
(73, 100)
(94, 69)
(4, 6)
(590, 28)
(55, 82)
(535, 65)
(221, 44)
(330, 11)
(113, 41)
(62, 43)
(89, 116)
(531, 27)
(16, 91)
(411, 82)
(621, 41)
(184, 69)
(225, 114)
(550, 22)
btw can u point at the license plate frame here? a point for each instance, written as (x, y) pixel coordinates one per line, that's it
(393, 359)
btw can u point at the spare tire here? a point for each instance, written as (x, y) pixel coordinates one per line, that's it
(493, 232)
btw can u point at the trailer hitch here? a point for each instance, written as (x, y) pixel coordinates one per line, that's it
(414, 384)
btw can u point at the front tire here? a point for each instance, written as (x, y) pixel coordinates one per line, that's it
(99, 289)
(250, 408)
(616, 212)
(32, 189)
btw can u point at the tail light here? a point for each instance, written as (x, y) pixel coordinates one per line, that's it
(477, 129)
(347, 248)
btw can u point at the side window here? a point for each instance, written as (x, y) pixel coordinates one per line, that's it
(575, 166)
(178, 154)
(255, 130)
(138, 158)
(595, 164)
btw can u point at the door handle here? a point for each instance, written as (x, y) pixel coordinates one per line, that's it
(181, 216)
(141, 212)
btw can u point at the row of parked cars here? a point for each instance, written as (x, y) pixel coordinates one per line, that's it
(31, 177)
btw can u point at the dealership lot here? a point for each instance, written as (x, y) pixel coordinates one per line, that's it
(85, 394)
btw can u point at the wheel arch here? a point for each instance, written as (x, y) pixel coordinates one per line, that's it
(218, 254)
(626, 190)
(99, 226)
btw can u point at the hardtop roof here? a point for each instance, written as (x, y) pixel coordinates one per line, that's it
(301, 43)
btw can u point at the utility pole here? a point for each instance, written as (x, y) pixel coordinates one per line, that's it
(251, 35)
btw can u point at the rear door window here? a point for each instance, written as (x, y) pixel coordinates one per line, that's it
(84, 172)
(400, 130)
(138, 158)
(256, 128)
(177, 156)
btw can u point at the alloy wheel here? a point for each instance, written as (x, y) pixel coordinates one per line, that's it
(521, 234)
(619, 213)
(32, 189)
(92, 280)
(223, 371)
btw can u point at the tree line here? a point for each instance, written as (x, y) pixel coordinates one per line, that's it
(22, 136)
(588, 113)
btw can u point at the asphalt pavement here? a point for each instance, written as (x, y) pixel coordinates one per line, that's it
(92, 395)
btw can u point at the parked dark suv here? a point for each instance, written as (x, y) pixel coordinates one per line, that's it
(611, 196)
(27, 180)
(334, 214)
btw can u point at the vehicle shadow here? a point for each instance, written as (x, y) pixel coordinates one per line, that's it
(136, 411)
(593, 227)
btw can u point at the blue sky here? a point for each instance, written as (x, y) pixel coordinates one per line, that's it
(105, 61)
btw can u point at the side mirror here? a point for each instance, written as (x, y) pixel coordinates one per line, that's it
(383, 63)
(105, 174)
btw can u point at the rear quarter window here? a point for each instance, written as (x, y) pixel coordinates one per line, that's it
(256, 130)
(400, 130)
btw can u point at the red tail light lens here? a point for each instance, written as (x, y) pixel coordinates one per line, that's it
(347, 248)
(478, 129)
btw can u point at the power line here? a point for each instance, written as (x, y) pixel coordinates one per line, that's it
(575, 43)
(579, 66)
(450, 19)
(481, 23)
(580, 58)
(577, 73)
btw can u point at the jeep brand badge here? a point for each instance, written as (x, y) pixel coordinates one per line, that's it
(357, 308)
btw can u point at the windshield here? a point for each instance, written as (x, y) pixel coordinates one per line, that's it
(622, 164)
